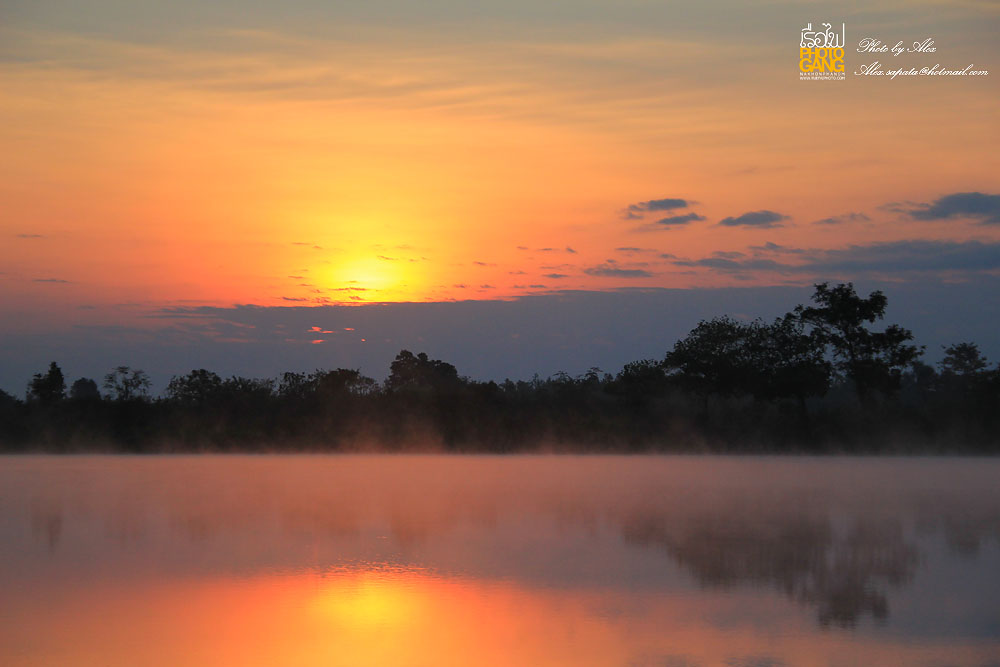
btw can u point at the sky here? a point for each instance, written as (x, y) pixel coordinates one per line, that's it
(516, 186)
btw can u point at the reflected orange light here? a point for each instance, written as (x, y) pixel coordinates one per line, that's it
(410, 617)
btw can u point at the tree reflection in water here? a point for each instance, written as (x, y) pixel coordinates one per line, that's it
(845, 574)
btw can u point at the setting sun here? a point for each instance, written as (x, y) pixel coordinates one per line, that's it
(370, 278)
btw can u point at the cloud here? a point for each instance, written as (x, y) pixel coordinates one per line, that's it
(638, 211)
(31, 236)
(762, 219)
(556, 275)
(630, 250)
(984, 207)
(770, 247)
(680, 219)
(610, 269)
(567, 249)
(915, 256)
(667, 204)
(728, 265)
(841, 219)
(51, 280)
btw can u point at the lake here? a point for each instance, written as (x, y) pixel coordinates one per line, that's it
(476, 560)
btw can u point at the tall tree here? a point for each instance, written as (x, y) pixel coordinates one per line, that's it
(715, 358)
(727, 357)
(420, 373)
(126, 384)
(964, 369)
(49, 388)
(872, 360)
(792, 360)
(342, 382)
(197, 387)
(963, 360)
(84, 389)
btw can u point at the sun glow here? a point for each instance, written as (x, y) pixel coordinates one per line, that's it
(373, 278)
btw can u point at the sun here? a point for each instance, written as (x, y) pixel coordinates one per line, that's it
(372, 278)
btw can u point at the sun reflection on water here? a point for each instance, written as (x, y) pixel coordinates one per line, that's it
(380, 597)
(316, 561)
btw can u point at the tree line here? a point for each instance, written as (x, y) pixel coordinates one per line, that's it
(825, 377)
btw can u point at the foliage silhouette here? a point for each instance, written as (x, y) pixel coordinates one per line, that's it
(48, 389)
(872, 360)
(126, 384)
(818, 379)
(84, 389)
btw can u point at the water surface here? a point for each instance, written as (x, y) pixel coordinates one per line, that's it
(435, 560)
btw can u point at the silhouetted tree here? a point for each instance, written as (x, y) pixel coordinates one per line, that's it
(872, 360)
(197, 387)
(715, 357)
(6, 400)
(920, 379)
(418, 372)
(126, 384)
(963, 360)
(342, 382)
(48, 389)
(768, 361)
(296, 386)
(641, 379)
(255, 388)
(84, 389)
(722, 362)
(965, 372)
(792, 361)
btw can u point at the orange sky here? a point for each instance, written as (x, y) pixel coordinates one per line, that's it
(359, 158)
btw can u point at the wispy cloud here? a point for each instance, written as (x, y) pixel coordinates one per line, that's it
(763, 219)
(638, 210)
(674, 220)
(842, 219)
(611, 269)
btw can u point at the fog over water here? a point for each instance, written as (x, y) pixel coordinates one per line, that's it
(499, 560)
